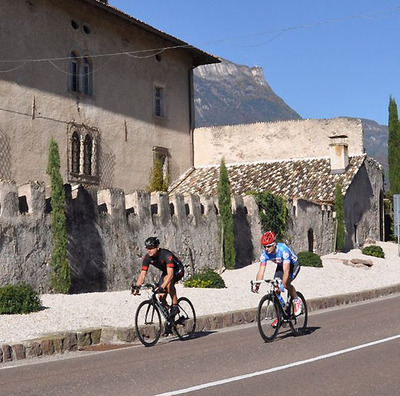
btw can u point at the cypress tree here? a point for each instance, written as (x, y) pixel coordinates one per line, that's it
(394, 147)
(157, 180)
(340, 225)
(61, 275)
(227, 236)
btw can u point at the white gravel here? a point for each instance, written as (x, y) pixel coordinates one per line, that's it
(117, 309)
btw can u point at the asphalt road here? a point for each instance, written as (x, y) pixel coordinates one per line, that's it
(352, 350)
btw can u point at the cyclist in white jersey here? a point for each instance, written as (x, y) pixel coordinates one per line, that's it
(287, 266)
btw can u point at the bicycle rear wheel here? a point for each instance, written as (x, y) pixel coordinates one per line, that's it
(268, 318)
(298, 324)
(185, 320)
(148, 323)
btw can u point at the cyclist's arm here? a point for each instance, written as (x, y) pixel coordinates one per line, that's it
(286, 273)
(260, 276)
(168, 278)
(140, 281)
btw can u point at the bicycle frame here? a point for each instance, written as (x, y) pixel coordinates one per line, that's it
(155, 301)
(273, 285)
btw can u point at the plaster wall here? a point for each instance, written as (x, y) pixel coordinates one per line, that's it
(274, 140)
(36, 103)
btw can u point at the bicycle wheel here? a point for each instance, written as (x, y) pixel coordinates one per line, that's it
(148, 323)
(268, 317)
(298, 324)
(185, 321)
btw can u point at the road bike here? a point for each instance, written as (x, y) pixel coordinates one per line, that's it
(271, 315)
(148, 323)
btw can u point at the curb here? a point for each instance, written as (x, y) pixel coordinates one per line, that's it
(70, 342)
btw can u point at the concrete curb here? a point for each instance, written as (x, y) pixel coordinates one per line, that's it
(73, 341)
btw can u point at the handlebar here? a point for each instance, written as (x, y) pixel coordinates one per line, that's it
(275, 282)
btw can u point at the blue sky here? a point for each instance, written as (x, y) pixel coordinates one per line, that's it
(324, 58)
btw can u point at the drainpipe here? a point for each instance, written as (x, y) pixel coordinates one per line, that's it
(191, 115)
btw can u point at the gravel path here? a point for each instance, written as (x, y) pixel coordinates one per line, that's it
(117, 309)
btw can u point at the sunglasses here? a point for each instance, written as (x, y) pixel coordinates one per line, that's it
(270, 245)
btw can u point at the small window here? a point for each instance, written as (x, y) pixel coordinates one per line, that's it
(80, 76)
(159, 105)
(82, 154)
(87, 166)
(75, 150)
(86, 76)
(74, 73)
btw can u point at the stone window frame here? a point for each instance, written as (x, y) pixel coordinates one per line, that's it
(83, 142)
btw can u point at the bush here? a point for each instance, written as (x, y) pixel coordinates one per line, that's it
(206, 278)
(373, 250)
(18, 299)
(309, 259)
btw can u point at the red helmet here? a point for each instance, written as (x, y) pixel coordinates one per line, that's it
(267, 238)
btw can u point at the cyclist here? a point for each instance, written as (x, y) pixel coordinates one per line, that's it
(172, 271)
(287, 268)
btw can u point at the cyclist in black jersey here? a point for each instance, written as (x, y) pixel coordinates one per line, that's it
(171, 268)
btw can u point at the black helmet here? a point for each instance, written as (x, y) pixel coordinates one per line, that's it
(151, 242)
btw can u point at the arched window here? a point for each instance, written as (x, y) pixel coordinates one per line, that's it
(80, 74)
(75, 152)
(87, 165)
(83, 154)
(74, 72)
(86, 76)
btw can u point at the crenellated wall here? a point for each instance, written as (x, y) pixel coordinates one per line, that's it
(107, 229)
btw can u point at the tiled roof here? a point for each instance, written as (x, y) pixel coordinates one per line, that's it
(308, 179)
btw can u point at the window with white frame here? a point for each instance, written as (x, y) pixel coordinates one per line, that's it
(80, 76)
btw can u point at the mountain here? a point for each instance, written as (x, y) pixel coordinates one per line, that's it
(230, 94)
(376, 143)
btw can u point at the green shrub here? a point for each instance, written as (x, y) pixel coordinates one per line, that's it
(18, 299)
(206, 278)
(309, 259)
(373, 250)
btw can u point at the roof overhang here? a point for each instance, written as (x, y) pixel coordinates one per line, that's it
(199, 57)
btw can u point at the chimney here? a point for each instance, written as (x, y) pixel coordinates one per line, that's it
(339, 150)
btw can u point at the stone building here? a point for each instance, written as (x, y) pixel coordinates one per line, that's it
(113, 92)
(301, 161)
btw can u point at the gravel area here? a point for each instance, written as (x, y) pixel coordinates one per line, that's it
(117, 309)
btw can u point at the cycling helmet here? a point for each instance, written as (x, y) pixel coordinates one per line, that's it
(151, 242)
(267, 238)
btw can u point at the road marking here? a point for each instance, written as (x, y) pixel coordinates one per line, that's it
(275, 369)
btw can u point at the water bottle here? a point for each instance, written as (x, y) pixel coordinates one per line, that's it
(281, 300)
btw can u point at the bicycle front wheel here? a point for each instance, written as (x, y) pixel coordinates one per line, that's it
(298, 324)
(268, 318)
(148, 323)
(185, 320)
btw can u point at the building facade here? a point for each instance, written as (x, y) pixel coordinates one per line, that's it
(114, 93)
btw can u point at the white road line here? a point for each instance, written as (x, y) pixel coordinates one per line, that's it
(274, 369)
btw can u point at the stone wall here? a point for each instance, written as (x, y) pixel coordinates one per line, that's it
(106, 231)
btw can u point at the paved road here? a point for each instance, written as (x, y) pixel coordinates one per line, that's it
(353, 350)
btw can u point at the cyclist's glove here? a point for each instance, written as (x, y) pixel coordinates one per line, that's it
(134, 288)
(161, 290)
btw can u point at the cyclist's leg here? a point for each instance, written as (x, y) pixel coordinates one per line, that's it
(172, 292)
(162, 296)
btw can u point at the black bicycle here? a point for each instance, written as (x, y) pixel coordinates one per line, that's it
(148, 321)
(271, 315)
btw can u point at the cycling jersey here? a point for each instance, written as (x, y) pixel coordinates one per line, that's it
(164, 259)
(282, 254)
